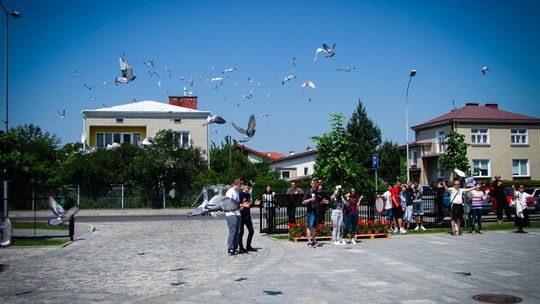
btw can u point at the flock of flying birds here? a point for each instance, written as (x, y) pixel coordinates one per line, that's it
(127, 76)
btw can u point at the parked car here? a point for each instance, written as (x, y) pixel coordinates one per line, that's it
(533, 203)
(490, 203)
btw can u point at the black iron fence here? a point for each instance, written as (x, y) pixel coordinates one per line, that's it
(289, 209)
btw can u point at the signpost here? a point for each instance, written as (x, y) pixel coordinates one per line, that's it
(375, 166)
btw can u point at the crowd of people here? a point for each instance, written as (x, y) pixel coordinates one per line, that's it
(403, 206)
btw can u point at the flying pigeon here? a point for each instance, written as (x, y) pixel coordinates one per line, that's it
(293, 61)
(146, 143)
(308, 83)
(228, 70)
(89, 86)
(249, 80)
(216, 79)
(55, 207)
(149, 63)
(248, 134)
(346, 69)
(113, 146)
(217, 204)
(263, 115)
(484, 70)
(169, 72)
(288, 78)
(127, 72)
(328, 50)
(214, 119)
(250, 94)
(62, 114)
(268, 95)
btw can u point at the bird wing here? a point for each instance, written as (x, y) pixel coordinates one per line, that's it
(200, 210)
(6, 230)
(239, 129)
(55, 208)
(219, 120)
(317, 53)
(129, 72)
(251, 125)
(327, 49)
(123, 64)
(222, 203)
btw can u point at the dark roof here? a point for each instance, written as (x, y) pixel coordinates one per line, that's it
(472, 112)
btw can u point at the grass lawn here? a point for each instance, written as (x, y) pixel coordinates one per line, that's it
(37, 242)
(38, 225)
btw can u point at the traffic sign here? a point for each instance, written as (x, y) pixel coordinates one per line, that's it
(375, 161)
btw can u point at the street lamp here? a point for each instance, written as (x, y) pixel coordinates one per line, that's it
(411, 75)
(15, 15)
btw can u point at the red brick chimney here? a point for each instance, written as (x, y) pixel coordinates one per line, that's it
(184, 101)
(492, 106)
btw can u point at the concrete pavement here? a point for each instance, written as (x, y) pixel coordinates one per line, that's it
(186, 262)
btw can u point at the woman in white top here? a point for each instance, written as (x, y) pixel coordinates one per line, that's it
(456, 201)
(522, 212)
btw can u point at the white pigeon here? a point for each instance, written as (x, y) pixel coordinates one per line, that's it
(62, 114)
(6, 231)
(55, 207)
(127, 72)
(113, 146)
(214, 119)
(484, 70)
(288, 78)
(228, 70)
(249, 132)
(308, 83)
(346, 69)
(148, 142)
(328, 50)
(216, 79)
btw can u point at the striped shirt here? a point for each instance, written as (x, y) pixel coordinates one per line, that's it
(477, 200)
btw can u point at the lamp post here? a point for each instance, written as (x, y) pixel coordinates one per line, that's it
(15, 15)
(411, 75)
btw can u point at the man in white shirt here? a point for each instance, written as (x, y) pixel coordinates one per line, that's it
(233, 219)
(387, 196)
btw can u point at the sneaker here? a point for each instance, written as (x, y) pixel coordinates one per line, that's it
(309, 244)
(242, 250)
(417, 227)
(353, 242)
(343, 242)
(402, 231)
(231, 253)
(479, 232)
(422, 227)
(335, 243)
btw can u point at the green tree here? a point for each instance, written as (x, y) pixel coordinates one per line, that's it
(455, 156)
(365, 134)
(335, 159)
(389, 162)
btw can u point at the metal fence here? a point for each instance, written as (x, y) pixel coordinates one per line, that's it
(289, 208)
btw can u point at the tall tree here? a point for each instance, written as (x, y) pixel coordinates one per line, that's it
(365, 134)
(334, 163)
(455, 156)
(389, 162)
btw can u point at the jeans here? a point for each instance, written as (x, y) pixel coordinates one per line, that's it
(233, 221)
(270, 214)
(476, 216)
(337, 223)
(246, 220)
(350, 220)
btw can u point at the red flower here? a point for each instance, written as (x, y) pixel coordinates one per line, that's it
(303, 224)
(361, 223)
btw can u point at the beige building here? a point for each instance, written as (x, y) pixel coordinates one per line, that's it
(133, 122)
(502, 143)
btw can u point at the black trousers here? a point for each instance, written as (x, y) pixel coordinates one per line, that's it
(503, 205)
(246, 220)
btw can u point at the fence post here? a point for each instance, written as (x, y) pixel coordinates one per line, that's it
(78, 195)
(72, 228)
(122, 200)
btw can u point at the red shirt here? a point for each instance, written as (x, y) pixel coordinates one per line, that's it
(395, 196)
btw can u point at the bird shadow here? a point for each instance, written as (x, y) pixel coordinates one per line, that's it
(178, 283)
(240, 279)
(467, 274)
(179, 269)
(272, 292)
(3, 267)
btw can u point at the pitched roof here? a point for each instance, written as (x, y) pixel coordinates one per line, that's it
(472, 112)
(270, 155)
(295, 155)
(146, 106)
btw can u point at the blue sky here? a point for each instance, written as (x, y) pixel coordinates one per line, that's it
(447, 42)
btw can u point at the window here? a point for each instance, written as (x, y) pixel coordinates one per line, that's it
(520, 167)
(440, 140)
(183, 138)
(106, 138)
(479, 137)
(285, 174)
(414, 158)
(177, 120)
(518, 137)
(119, 120)
(481, 168)
(305, 170)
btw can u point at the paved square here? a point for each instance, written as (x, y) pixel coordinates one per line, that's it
(186, 261)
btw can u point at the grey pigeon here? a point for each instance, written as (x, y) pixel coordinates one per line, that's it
(328, 50)
(249, 132)
(62, 114)
(288, 78)
(127, 72)
(55, 207)
(293, 61)
(214, 119)
(217, 204)
(228, 70)
(346, 69)
(484, 70)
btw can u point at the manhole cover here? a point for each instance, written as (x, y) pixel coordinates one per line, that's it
(497, 298)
